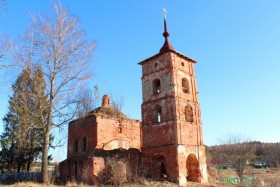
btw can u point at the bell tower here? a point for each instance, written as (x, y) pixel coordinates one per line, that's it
(172, 143)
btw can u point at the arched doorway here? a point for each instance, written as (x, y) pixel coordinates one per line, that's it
(193, 172)
(159, 167)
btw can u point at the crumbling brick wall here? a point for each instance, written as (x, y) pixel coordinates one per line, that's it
(102, 132)
(97, 137)
(77, 131)
(94, 168)
(114, 133)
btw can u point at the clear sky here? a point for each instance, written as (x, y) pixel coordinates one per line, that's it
(236, 44)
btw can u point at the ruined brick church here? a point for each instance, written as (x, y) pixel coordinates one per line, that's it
(167, 143)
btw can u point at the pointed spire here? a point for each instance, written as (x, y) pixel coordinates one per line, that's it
(166, 46)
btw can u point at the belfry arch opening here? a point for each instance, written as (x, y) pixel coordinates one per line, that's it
(193, 172)
(159, 167)
(158, 114)
(156, 86)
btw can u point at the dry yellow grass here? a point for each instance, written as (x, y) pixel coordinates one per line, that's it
(33, 184)
(146, 183)
(29, 184)
(265, 174)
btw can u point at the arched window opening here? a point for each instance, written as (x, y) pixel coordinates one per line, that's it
(84, 144)
(185, 85)
(193, 169)
(159, 115)
(189, 113)
(159, 169)
(120, 126)
(156, 86)
(163, 173)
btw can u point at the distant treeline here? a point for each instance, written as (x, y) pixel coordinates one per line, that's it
(227, 154)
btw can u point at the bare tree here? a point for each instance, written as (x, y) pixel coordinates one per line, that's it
(96, 97)
(5, 46)
(5, 43)
(235, 149)
(117, 104)
(87, 100)
(2, 7)
(271, 153)
(60, 47)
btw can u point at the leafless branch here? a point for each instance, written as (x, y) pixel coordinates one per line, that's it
(5, 46)
(117, 103)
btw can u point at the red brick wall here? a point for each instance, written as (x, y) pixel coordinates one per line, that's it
(79, 129)
(63, 170)
(114, 133)
(103, 132)
(98, 165)
(189, 134)
(151, 167)
(160, 134)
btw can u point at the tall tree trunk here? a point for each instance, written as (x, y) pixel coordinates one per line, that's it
(11, 162)
(29, 162)
(19, 162)
(31, 151)
(48, 127)
(30, 159)
(45, 157)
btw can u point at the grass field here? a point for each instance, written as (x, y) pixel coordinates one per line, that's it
(262, 177)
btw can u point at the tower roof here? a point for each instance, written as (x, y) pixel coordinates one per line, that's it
(171, 50)
(166, 46)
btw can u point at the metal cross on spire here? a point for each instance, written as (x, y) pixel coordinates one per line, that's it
(164, 12)
(166, 46)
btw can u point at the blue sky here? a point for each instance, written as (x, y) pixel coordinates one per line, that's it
(236, 44)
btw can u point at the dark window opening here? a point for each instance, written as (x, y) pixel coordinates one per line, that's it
(163, 173)
(185, 85)
(159, 169)
(120, 129)
(158, 114)
(84, 144)
(156, 86)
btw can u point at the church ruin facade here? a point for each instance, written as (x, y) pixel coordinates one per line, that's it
(104, 132)
(167, 143)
